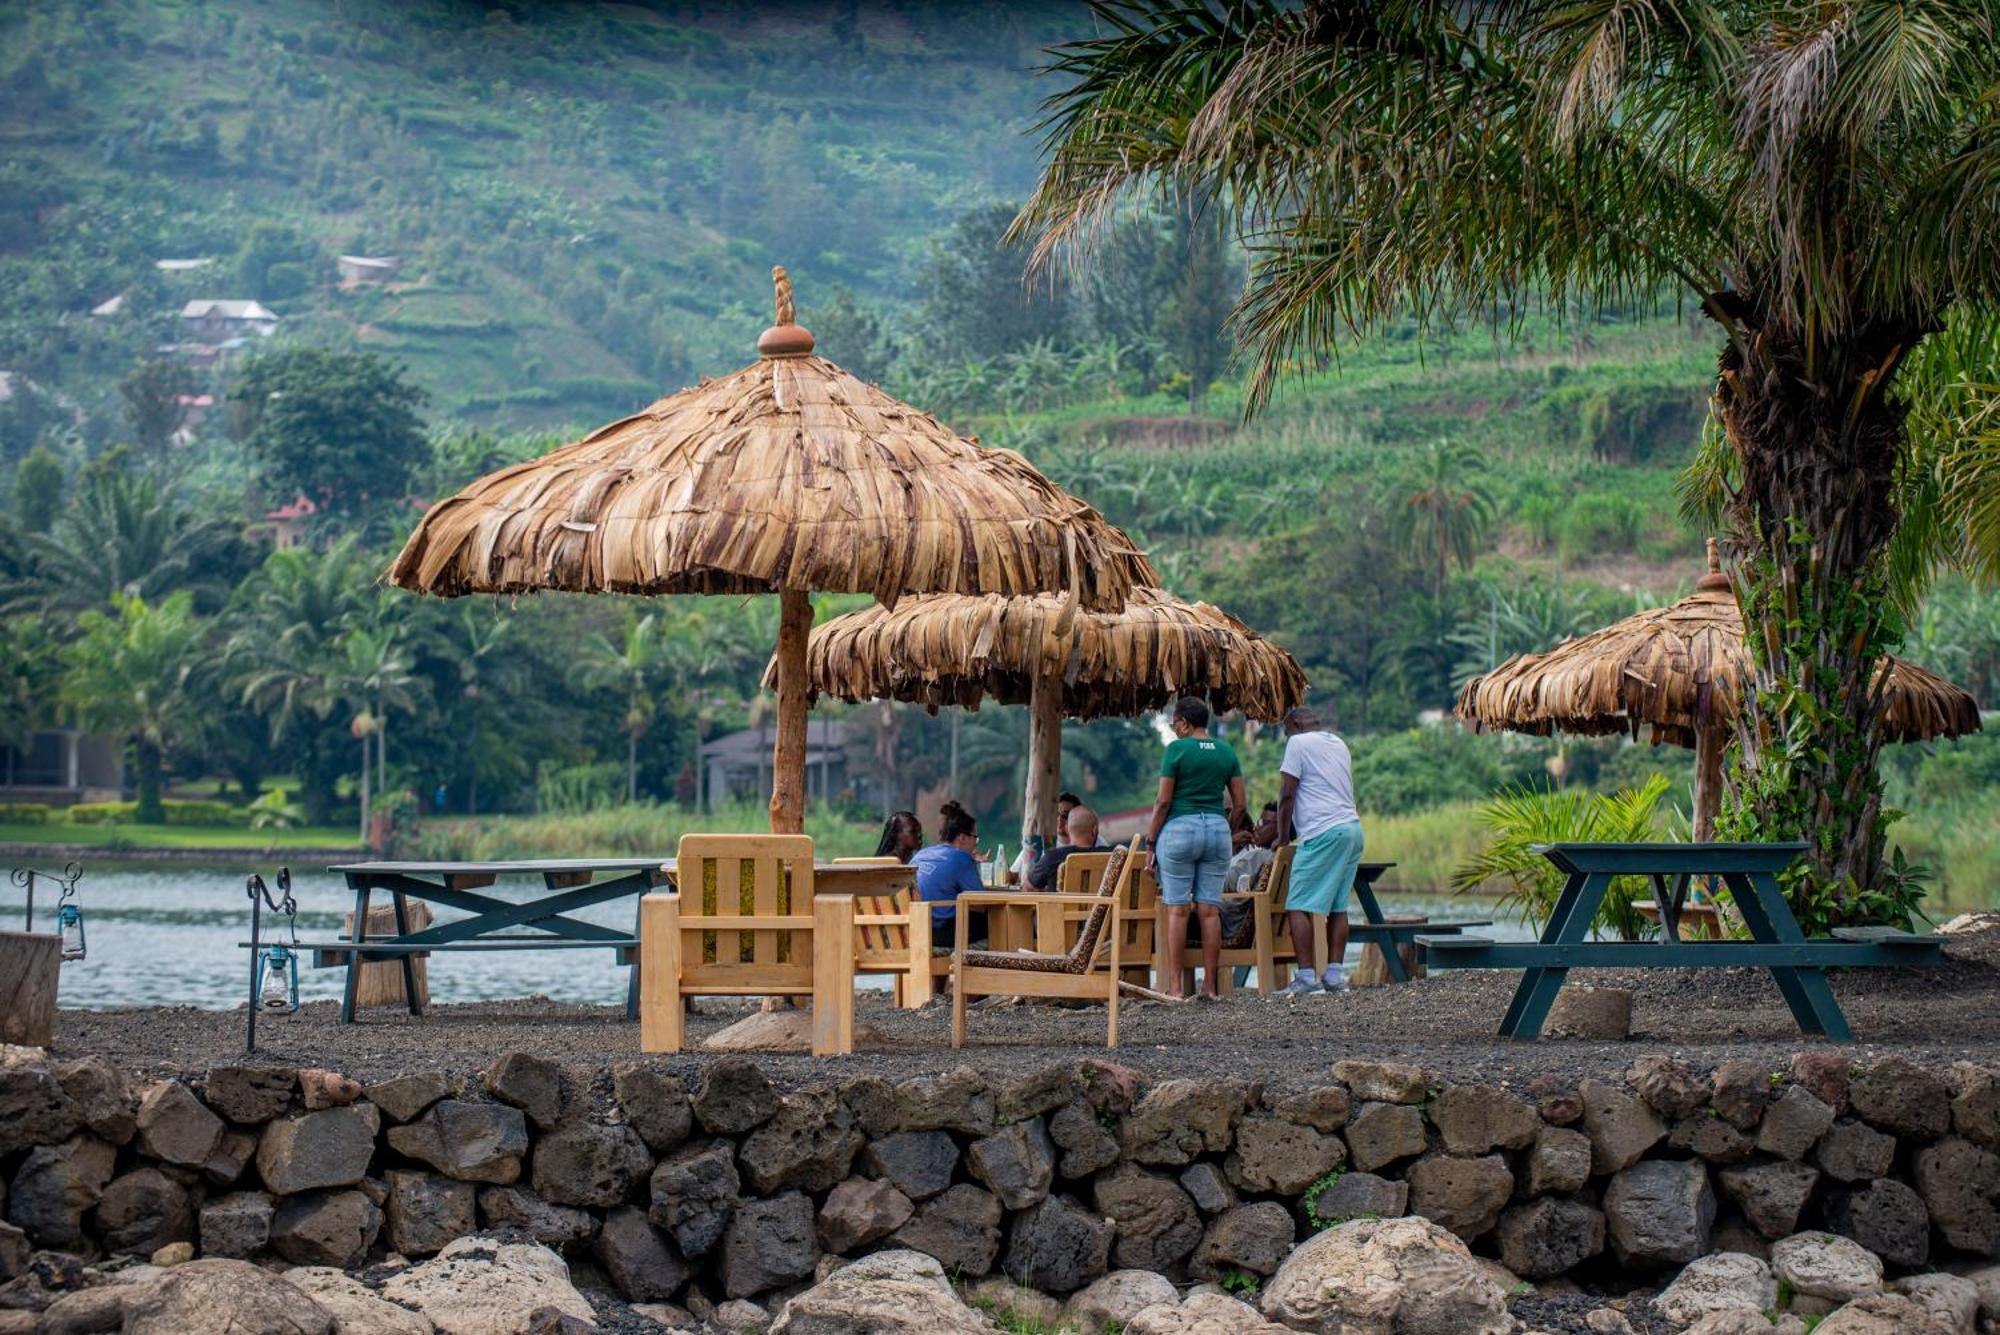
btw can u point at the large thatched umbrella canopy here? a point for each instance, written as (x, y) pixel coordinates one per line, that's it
(788, 477)
(959, 650)
(1680, 671)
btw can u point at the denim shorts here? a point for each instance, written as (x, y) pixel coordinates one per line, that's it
(1192, 858)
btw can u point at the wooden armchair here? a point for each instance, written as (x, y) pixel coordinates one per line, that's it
(892, 935)
(1089, 970)
(1264, 939)
(771, 937)
(1082, 873)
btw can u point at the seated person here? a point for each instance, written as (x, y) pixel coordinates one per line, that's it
(1036, 848)
(1079, 836)
(1253, 851)
(902, 836)
(948, 869)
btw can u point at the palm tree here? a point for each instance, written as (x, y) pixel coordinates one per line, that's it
(631, 666)
(373, 676)
(283, 654)
(121, 535)
(1446, 510)
(1818, 180)
(131, 672)
(482, 644)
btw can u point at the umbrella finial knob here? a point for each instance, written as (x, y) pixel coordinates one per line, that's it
(1714, 579)
(785, 338)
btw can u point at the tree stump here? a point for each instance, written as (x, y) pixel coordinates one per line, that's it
(382, 980)
(30, 966)
(1371, 971)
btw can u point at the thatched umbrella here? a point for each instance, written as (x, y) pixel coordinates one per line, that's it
(953, 650)
(788, 477)
(1680, 671)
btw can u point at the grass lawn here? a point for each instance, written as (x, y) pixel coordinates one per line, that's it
(178, 836)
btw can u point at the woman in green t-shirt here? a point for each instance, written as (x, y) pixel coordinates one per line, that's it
(1201, 788)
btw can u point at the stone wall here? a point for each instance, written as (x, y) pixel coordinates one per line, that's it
(735, 1189)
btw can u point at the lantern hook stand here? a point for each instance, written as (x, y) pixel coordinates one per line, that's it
(69, 916)
(274, 969)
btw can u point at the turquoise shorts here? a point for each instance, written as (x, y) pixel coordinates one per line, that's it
(1323, 870)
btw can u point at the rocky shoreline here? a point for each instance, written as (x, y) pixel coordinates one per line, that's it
(716, 1199)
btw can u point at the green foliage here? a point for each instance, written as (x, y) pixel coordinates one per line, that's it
(1420, 768)
(174, 811)
(634, 830)
(1598, 522)
(340, 428)
(131, 673)
(38, 490)
(1520, 818)
(574, 789)
(25, 813)
(152, 390)
(1310, 1202)
(1241, 1283)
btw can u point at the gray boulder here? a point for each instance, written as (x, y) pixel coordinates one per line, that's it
(960, 1227)
(590, 1165)
(1659, 1212)
(332, 1148)
(1852, 1151)
(480, 1284)
(333, 1228)
(143, 1211)
(1822, 1265)
(1282, 1157)
(176, 1127)
(1718, 1282)
(251, 1095)
(55, 1185)
(237, 1225)
(472, 1142)
(34, 1107)
(517, 1207)
(808, 1144)
(1793, 1124)
(767, 1244)
(693, 1192)
(1959, 1183)
(1057, 1246)
(1361, 1196)
(1621, 1127)
(1478, 1119)
(532, 1084)
(1549, 1237)
(655, 1105)
(1017, 1163)
(1176, 1121)
(1085, 1144)
(889, 1293)
(959, 1100)
(860, 1211)
(103, 1096)
(917, 1163)
(1559, 1162)
(1886, 1217)
(426, 1212)
(1156, 1221)
(1383, 1082)
(1381, 1133)
(1464, 1195)
(405, 1097)
(735, 1096)
(1772, 1196)
(640, 1259)
(1254, 1237)
(1902, 1098)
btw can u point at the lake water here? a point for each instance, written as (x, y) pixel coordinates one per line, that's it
(167, 936)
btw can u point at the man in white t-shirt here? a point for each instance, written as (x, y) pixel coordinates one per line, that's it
(1316, 803)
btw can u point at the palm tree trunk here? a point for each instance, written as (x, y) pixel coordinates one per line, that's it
(631, 766)
(151, 810)
(472, 776)
(1818, 438)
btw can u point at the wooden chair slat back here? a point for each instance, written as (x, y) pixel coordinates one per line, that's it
(1140, 917)
(881, 937)
(1081, 873)
(1121, 874)
(771, 875)
(1279, 872)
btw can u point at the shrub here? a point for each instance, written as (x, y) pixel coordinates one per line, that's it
(1522, 818)
(179, 811)
(24, 813)
(1599, 521)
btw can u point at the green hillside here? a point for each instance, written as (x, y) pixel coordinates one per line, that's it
(586, 199)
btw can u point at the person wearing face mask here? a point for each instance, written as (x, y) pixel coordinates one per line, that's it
(1201, 785)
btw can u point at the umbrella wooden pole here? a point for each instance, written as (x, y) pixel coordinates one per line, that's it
(788, 759)
(1038, 811)
(1708, 746)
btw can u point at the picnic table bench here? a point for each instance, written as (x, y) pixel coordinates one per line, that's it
(540, 922)
(1748, 871)
(1391, 937)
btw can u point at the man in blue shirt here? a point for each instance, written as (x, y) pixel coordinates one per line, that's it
(949, 868)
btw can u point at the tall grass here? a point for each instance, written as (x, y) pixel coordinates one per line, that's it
(1426, 846)
(1958, 842)
(639, 830)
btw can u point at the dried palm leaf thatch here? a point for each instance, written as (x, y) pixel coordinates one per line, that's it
(947, 649)
(1680, 672)
(789, 474)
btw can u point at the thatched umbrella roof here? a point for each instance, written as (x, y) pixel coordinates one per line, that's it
(1680, 673)
(952, 650)
(790, 476)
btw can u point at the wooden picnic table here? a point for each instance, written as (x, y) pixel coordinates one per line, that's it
(1748, 871)
(540, 922)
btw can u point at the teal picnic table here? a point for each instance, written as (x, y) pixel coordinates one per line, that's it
(1749, 871)
(1375, 928)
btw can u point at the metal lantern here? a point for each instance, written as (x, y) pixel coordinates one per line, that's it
(278, 989)
(69, 925)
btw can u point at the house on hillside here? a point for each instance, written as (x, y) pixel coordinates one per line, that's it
(109, 307)
(61, 766)
(738, 766)
(290, 522)
(367, 269)
(219, 319)
(183, 266)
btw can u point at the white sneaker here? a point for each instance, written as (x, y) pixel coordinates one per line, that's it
(1334, 979)
(1303, 984)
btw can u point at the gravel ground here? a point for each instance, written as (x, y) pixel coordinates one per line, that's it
(1445, 1022)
